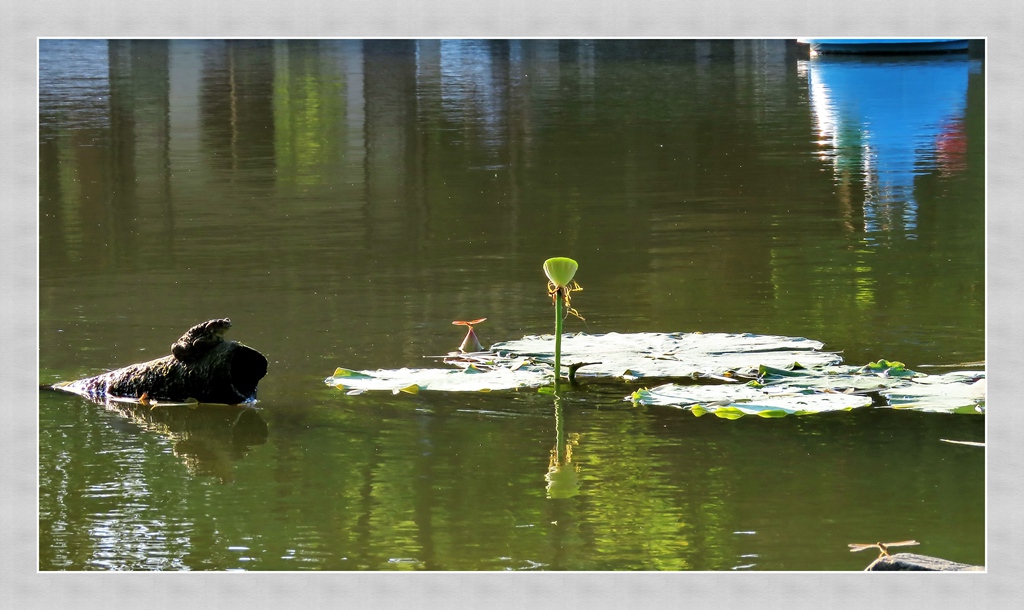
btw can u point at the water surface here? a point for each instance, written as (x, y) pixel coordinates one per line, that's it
(343, 201)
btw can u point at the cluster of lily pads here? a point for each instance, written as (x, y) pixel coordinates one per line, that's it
(730, 375)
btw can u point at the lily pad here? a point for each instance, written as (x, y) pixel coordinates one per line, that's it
(957, 392)
(841, 378)
(667, 355)
(468, 379)
(526, 362)
(803, 392)
(732, 401)
(793, 375)
(885, 368)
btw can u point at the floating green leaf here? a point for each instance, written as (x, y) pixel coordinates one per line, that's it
(469, 379)
(673, 355)
(793, 377)
(958, 392)
(836, 378)
(833, 389)
(340, 373)
(886, 368)
(734, 401)
(526, 362)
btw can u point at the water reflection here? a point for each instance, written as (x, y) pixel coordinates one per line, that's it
(350, 198)
(887, 122)
(563, 474)
(208, 439)
(473, 73)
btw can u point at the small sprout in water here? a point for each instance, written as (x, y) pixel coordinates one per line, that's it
(471, 339)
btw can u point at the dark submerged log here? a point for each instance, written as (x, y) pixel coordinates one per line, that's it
(220, 372)
(918, 563)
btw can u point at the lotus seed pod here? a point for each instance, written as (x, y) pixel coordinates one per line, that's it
(560, 270)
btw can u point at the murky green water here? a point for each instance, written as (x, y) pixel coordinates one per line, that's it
(343, 202)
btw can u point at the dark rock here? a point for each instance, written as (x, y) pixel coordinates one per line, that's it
(918, 563)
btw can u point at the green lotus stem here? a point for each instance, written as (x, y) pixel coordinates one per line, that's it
(560, 271)
(559, 319)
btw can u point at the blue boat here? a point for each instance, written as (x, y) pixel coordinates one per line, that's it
(885, 45)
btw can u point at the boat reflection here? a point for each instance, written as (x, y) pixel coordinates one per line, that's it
(885, 121)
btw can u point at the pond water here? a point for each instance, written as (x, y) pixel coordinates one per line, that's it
(344, 201)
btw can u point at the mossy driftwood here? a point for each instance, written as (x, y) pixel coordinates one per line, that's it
(212, 370)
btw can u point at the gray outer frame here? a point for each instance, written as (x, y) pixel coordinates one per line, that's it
(25, 587)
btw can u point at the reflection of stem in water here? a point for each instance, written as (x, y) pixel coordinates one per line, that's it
(563, 451)
(562, 476)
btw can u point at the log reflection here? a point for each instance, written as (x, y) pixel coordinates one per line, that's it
(209, 438)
